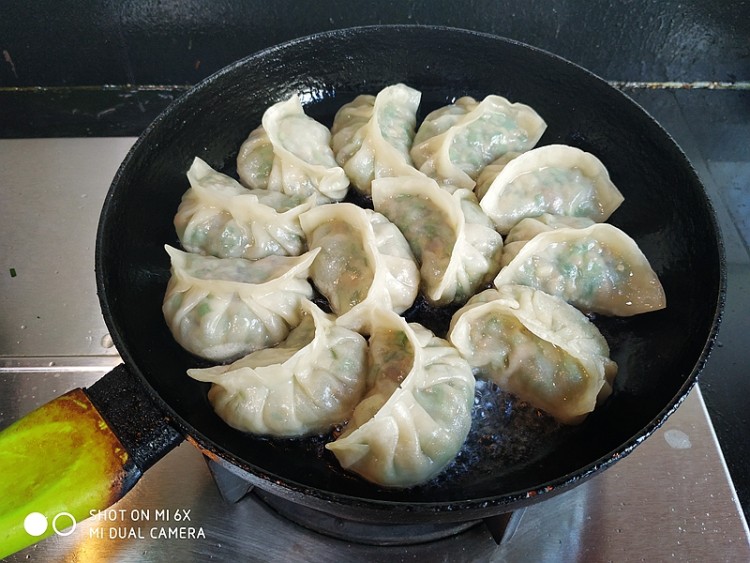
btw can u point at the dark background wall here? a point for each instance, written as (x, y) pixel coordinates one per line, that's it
(143, 53)
(84, 42)
(76, 42)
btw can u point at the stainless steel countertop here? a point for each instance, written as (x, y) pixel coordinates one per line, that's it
(670, 499)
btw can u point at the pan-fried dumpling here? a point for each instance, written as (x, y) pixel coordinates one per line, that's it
(536, 347)
(417, 413)
(556, 179)
(528, 228)
(372, 135)
(490, 172)
(222, 308)
(454, 143)
(291, 153)
(364, 262)
(219, 217)
(453, 240)
(308, 383)
(598, 269)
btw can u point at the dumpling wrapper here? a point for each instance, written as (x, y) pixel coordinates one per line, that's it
(219, 217)
(556, 179)
(537, 347)
(415, 418)
(308, 383)
(372, 135)
(291, 153)
(454, 143)
(223, 308)
(453, 240)
(528, 228)
(364, 262)
(490, 172)
(599, 269)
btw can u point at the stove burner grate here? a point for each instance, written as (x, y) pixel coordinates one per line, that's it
(234, 488)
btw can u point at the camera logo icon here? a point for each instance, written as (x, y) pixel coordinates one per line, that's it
(36, 524)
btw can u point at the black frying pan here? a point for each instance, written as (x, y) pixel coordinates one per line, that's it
(665, 210)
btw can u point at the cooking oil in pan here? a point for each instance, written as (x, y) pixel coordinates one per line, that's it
(506, 435)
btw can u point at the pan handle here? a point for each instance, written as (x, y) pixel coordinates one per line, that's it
(76, 455)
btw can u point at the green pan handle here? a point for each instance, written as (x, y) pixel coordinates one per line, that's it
(63, 462)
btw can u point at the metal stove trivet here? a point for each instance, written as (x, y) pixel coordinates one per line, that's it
(234, 488)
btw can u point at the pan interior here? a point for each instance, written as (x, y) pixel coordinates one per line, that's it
(665, 211)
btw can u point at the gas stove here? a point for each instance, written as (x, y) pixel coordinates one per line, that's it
(672, 497)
